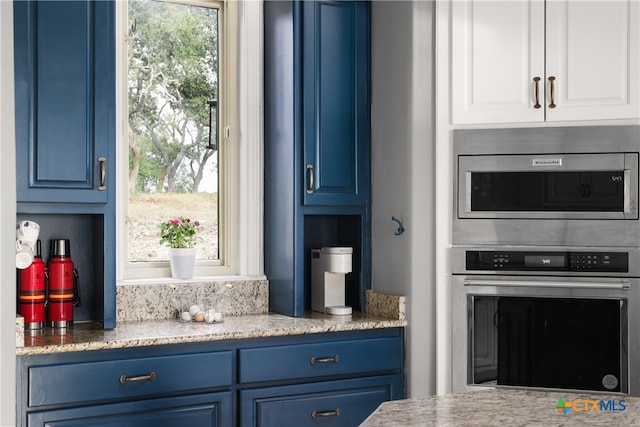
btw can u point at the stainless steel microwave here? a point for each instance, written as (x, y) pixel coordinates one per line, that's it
(547, 186)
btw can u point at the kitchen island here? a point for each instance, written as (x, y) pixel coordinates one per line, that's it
(509, 407)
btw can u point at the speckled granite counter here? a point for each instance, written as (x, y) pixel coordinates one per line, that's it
(84, 337)
(494, 407)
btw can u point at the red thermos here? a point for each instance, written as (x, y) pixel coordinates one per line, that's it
(63, 285)
(32, 292)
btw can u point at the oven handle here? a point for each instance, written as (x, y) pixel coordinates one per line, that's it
(548, 284)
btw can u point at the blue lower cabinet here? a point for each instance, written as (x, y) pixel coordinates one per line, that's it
(320, 359)
(331, 403)
(138, 377)
(324, 379)
(202, 410)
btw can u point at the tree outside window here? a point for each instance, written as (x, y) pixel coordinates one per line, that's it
(173, 53)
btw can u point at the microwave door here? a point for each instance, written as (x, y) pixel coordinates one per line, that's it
(581, 186)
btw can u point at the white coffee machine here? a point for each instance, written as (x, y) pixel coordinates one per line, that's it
(329, 266)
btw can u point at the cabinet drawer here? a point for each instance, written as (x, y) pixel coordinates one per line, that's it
(320, 359)
(202, 410)
(124, 378)
(331, 403)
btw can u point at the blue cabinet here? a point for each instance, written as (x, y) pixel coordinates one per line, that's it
(320, 359)
(202, 410)
(65, 137)
(317, 148)
(65, 100)
(335, 92)
(334, 379)
(331, 403)
(170, 385)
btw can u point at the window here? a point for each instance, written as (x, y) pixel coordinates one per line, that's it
(178, 119)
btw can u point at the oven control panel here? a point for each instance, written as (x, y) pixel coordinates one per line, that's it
(548, 261)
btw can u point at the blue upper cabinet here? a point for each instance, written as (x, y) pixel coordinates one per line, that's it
(335, 70)
(65, 137)
(316, 145)
(65, 100)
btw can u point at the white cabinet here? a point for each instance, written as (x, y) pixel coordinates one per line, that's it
(533, 61)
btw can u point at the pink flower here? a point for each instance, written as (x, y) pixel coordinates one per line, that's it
(179, 232)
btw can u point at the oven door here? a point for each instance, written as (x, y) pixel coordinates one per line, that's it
(546, 333)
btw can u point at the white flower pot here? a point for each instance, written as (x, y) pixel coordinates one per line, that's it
(182, 262)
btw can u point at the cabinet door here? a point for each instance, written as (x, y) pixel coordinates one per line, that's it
(65, 99)
(497, 50)
(332, 403)
(206, 410)
(335, 71)
(592, 53)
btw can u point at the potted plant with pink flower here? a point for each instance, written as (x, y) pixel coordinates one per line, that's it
(180, 234)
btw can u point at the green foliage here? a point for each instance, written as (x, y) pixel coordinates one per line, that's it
(173, 72)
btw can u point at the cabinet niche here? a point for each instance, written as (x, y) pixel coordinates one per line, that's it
(335, 230)
(85, 233)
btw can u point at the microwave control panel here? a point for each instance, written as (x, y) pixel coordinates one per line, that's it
(601, 262)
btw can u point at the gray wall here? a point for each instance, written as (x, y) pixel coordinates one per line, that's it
(7, 220)
(403, 167)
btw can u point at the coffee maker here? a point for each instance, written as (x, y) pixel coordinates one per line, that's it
(329, 266)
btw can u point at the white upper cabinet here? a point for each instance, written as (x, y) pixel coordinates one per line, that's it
(592, 51)
(497, 48)
(499, 51)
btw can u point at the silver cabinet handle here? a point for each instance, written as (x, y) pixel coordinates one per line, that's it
(315, 414)
(334, 359)
(546, 284)
(537, 92)
(137, 379)
(310, 187)
(552, 92)
(103, 173)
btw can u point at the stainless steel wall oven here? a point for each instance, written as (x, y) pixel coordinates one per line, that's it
(546, 259)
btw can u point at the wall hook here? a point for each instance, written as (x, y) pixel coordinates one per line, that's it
(400, 229)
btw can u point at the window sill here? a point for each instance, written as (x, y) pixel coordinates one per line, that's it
(196, 279)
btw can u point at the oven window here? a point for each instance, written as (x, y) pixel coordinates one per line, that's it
(568, 191)
(565, 343)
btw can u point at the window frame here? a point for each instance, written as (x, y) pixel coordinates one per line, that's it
(240, 151)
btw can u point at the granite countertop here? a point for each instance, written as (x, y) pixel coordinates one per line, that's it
(90, 336)
(508, 407)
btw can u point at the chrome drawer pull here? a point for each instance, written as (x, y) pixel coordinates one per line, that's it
(126, 379)
(335, 413)
(333, 359)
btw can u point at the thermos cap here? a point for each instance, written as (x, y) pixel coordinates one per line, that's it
(60, 248)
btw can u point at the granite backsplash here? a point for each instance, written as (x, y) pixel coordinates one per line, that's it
(158, 301)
